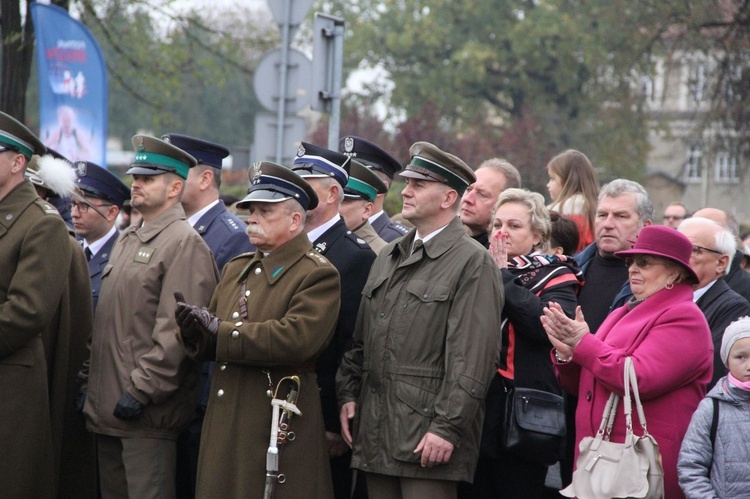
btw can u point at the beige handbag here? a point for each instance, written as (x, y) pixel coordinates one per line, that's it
(606, 469)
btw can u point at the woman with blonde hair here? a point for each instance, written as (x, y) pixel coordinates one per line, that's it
(574, 189)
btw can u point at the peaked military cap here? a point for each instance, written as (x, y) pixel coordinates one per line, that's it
(318, 162)
(363, 183)
(272, 183)
(205, 152)
(428, 162)
(154, 156)
(14, 136)
(98, 182)
(369, 154)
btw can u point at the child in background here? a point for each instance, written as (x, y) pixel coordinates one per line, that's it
(564, 237)
(574, 189)
(715, 454)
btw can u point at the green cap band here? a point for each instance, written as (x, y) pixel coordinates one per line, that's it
(10, 140)
(362, 188)
(157, 159)
(451, 178)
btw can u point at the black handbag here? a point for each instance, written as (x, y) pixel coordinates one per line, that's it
(534, 425)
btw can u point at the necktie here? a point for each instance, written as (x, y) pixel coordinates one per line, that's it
(87, 251)
(417, 244)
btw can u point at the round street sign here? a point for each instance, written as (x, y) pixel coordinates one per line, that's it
(267, 81)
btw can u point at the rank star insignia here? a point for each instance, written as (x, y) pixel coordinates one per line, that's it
(256, 171)
(320, 247)
(348, 144)
(301, 151)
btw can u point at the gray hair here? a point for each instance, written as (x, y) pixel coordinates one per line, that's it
(621, 186)
(540, 219)
(329, 182)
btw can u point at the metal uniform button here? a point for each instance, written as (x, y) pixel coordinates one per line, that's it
(235, 334)
(257, 271)
(588, 396)
(220, 393)
(247, 293)
(235, 315)
(237, 324)
(382, 315)
(222, 367)
(425, 296)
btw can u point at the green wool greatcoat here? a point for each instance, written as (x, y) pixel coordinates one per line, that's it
(35, 256)
(292, 307)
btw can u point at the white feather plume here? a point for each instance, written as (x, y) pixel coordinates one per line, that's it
(57, 174)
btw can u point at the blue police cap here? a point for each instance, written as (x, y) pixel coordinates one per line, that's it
(318, 162)
(370, 154)
(206, 152)
(272, 183)
(95, 181)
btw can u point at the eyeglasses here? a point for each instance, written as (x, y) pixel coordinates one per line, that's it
(84, 207)
(641, 262)
(698, 250)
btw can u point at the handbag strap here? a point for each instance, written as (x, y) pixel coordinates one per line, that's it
(630, 373)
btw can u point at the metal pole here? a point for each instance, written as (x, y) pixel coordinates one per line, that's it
(338, 61)
(283, 71)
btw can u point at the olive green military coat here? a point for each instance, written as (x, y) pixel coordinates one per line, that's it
(35, 255)
(134, 347)
(292, 307)
(424, 353)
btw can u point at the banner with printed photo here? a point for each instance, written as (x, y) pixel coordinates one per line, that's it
(72, 86)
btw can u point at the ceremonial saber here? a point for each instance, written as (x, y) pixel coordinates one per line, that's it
(280, 433)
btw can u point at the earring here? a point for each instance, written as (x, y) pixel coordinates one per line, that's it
(669, 285)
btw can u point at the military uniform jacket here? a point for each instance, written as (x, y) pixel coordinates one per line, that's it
(353, 258)
(224, 234)
(387, 229)
(292, 303)
(97, 265)
(424, 353)
(134, 346)
(35, 256)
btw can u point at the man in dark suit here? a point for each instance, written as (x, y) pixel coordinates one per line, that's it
(327, 173)
(224, 233)
(385, 166)
(94, 211)
(736, 277)
(713, 248)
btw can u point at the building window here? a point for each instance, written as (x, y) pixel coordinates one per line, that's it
(726, 166)
(693, 163)
(697, 82)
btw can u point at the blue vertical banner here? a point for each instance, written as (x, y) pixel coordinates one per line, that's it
(72, 86)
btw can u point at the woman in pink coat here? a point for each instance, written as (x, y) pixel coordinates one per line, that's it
(661, 329)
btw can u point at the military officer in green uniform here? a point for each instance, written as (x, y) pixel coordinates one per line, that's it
(35, 257)
(360, 193)
(271, 315)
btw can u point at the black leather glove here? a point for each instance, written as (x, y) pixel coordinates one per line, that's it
(80, 399)
(128, 408)
(194, 321)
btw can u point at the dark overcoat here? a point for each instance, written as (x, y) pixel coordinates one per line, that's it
(424, 353)
(292, 304)
(35, 256)
(67, 350)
